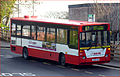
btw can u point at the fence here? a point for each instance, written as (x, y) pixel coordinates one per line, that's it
(5, 33)
(115, 51)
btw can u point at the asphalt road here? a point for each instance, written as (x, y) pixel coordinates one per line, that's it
(14, 65)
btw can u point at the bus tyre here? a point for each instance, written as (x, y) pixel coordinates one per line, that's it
(62, 59)
(25, 54)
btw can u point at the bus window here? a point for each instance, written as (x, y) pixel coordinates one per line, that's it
(41, 33)
(33, 32)
(18, 30)
(50, 34)
(73, 42)
(13, 29)
(62, 36)
(105, 38)
(26, 30)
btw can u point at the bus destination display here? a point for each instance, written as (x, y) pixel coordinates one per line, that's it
(94, 28)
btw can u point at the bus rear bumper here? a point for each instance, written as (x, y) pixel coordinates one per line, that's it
(91, 61)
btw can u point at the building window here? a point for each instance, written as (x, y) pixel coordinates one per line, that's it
(62, 36)
(18, 30)
(50, 34)
(26, 30)
(13, 29)
(33, 32)
(41, 33)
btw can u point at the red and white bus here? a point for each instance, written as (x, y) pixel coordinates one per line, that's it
(64, 41)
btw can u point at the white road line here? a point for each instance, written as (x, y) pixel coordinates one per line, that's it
(75, 69)
(88, 72)
(60, 66)
(4, 48)
(101, 75)
(16, 74)
(108, 67)
(1, 55)
(46, 63)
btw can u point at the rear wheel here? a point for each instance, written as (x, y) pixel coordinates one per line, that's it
(62, 59)
(25, 54)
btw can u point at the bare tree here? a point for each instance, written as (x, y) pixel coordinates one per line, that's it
(107, 12)
(57, 15)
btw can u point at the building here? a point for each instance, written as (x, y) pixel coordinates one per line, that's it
(103, 12)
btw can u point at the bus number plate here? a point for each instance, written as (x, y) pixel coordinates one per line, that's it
(95, 59)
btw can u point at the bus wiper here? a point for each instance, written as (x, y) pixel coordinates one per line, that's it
(90, 46)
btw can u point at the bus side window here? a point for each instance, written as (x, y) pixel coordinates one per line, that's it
(62, 36)
(13, 29)
(41, 33)
(18, 30)
(51, 35)
(26, 30)
(33, 32)
(73, 39)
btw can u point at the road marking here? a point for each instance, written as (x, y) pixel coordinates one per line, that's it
(16, 74)
(46, 63)
(1, 55)
(4, 48)
(33, 61)
(75, 69)
(108, 67)
(88, 72)
(101, 75)
(60, 66)
(8, 56)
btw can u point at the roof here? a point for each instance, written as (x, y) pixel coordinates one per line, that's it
(58, 21)
(91, 4)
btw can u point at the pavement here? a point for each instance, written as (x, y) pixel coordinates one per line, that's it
(112, 63)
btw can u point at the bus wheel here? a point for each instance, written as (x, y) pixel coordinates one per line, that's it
(25, 54)
(62, 59)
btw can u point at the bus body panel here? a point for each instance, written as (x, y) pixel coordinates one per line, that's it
(35, 50)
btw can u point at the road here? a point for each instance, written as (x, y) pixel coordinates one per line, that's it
(14, 65)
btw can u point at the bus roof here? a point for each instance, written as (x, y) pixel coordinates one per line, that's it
(59, 21)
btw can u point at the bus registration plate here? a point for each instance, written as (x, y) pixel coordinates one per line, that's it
(95, 59)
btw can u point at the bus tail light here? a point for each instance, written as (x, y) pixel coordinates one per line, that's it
(108, 49)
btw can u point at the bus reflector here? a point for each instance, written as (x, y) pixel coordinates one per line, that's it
(65, 52)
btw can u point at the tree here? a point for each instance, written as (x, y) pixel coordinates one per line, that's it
(6, 7)
(107, 12)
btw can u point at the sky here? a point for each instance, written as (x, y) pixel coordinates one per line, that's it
(62, 5)
(47, 6)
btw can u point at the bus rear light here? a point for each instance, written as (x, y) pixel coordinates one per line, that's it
(109, 49)
(81, 51)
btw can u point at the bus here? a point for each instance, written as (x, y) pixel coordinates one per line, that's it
(64, 41)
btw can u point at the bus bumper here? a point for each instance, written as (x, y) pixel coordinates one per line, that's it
(90, 61)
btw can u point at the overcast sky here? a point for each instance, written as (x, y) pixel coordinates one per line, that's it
(62, 5)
